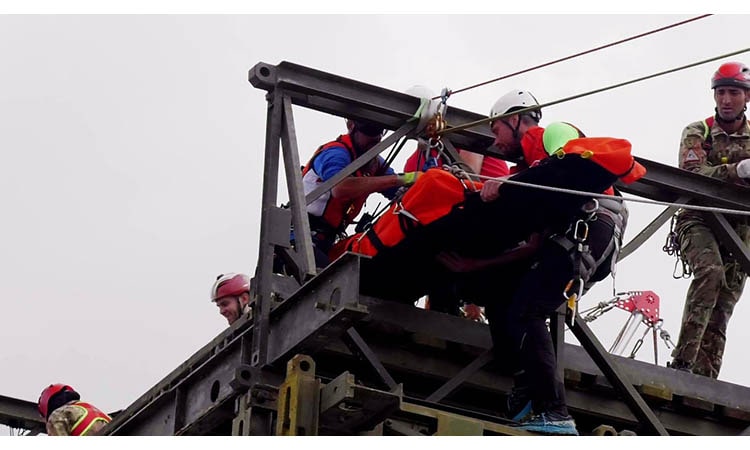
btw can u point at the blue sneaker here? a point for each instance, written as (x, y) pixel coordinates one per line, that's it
(523, 413)
(550, 423)
(518, 405)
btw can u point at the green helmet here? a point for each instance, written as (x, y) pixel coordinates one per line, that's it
(557, 134)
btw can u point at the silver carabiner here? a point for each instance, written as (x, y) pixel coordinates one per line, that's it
(400, 210)
(581, 231)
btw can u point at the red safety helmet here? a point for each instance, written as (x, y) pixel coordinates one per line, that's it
(47, 394)
(230, 284)
(733, 74)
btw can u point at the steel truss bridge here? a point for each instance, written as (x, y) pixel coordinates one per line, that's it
(319, 357)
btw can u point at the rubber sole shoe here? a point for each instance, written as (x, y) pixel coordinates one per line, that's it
(523, 414)
(544, 424)
(679, 365)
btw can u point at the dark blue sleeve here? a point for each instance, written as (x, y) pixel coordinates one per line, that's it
(334, 159)
(331, 161)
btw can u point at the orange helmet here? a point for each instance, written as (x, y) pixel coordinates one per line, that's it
(48, 393)
(230, 284)
(733, 74)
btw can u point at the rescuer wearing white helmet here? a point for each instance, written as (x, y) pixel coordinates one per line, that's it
(510, 129)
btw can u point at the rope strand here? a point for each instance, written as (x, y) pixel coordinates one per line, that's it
(600, 195)
(585, 94)
(621, 41)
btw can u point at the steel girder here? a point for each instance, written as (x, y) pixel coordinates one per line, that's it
(22, 414)
(204, 388)
(212, 378)
(199, 394)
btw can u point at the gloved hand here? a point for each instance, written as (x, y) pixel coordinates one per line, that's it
(409, 178)
(743, 168)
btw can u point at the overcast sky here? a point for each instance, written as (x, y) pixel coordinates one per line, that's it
(132, 153)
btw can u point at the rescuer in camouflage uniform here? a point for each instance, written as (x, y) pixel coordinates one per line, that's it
(66, 415)
(718, 147)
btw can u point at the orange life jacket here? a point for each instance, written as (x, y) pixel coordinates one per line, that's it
(433, 196)
(612, 154)
(91, 416)
(339, 213)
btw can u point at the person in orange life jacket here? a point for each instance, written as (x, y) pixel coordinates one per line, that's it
(509, 133)
(424, 158)
(718, 147)
(331, 213)
(487, 166)
(65, 415)
(530, 288)
(231, 293)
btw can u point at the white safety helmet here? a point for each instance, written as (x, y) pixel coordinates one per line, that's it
(516, 100)
(420, 91)
(428, 108)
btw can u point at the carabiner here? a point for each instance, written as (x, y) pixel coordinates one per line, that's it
(399, 209)
(581, 231)
(579, 294)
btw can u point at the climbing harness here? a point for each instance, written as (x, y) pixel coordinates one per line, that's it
(672, 248)
(643, 307)
(575, 241)
(580, 252)
(574, 289)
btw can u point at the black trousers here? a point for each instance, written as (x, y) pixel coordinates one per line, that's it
(517, 314)
(519, 330)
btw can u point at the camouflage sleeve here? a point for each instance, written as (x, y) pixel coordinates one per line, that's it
(693, 156)
(57, 424)
(62, 420)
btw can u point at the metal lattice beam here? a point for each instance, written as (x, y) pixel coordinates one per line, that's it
(16, 413)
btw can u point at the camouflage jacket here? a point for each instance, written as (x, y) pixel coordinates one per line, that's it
(717, 160)
(62, 420)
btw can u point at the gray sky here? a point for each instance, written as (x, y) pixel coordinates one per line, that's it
(132, 151)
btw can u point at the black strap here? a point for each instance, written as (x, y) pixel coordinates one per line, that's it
(375, 240)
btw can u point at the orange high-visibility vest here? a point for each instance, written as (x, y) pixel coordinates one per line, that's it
(91, 415)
